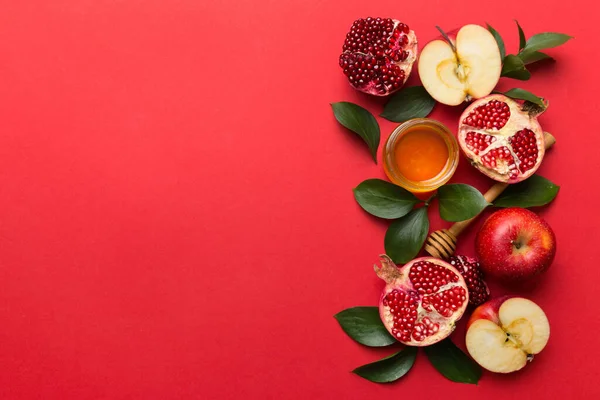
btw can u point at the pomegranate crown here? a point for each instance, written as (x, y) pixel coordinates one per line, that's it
(388, 271)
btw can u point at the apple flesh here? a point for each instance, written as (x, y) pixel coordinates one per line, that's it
(504, 333)
(468, 69)
(515, 244)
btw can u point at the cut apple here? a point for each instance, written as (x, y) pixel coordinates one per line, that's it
(503, 334)
(469, 68)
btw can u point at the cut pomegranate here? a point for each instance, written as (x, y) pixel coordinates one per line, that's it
(469, 268)
(501, 138)
(378, 55)
(422, 300)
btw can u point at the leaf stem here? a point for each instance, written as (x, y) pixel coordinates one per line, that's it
(433, 196)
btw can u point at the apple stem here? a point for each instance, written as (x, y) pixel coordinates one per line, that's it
(447, 38)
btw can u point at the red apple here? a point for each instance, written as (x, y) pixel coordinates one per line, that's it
(515, 244)
(506, 332)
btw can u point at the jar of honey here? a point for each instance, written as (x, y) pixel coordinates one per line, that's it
(420, 155)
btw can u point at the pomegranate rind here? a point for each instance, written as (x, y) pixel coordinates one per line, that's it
(397, 278)
(413, 49)
(519, 120)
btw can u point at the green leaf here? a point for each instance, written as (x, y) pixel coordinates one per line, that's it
(363, 324)
(535, 191)
(390, 368)
(522, 40)
(405, 236)
(523, 94)
(384, 199)
(532, 57)
(408, 103)
(359, 121)
(459, 202)
(545, 40)
(499, 40)
(513, 67)
(445, 36)
(452, 362)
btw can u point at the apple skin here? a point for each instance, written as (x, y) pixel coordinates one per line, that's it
(515, 244)
(451, 35)
(488, 310)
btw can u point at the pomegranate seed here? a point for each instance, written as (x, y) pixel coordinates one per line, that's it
(424, 329)
(370, 45)
(502, 161)
(471, 272)
(477, 142)
(493, 115)
(428, 275)
(403, 307)
(525, 147)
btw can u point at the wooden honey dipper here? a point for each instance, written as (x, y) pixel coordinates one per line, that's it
(442, 243)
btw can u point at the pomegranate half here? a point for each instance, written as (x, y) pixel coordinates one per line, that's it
(502, 139)
(378, 55)
(422, 300)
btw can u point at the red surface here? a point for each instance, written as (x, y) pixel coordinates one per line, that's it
(177, 218)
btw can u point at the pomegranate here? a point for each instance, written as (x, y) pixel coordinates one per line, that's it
(502, 138)
(470, 269)
(378, 55)
(422, 300)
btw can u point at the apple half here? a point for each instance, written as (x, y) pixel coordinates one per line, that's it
(467, 68)
(504, 333)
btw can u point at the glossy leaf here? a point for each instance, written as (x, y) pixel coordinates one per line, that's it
(458, 202)
(535, 56)
(499, 40)
(523, 94)
(453, 363)
(513, 67)
(384, 199)
(535, 191)
(405, 236)
(408, 103)
(545, 40)
(522, 40)
(364, 325)
(359, 121)
(390, 368)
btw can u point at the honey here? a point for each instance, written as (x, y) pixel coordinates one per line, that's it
(420, 155)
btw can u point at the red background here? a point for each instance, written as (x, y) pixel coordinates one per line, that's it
(176, 214)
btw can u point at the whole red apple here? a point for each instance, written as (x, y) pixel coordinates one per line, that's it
(505, 333)
(515, 244)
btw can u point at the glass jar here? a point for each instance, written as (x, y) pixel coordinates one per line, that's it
(390, 155)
